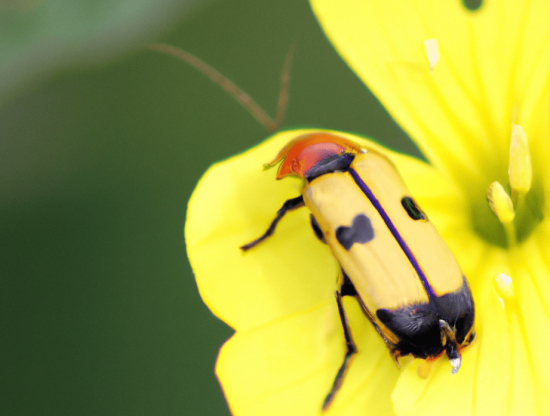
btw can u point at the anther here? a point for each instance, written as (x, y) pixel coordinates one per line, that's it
(431, 47)
(520, 170)
(500, 203)
(504, 286)
(425, 368)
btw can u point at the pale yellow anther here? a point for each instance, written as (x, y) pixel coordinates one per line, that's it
(425, 368)
(500, 203)
(432, 52)
(520, 170)
(504, 286)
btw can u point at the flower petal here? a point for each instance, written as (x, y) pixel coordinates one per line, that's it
(530, 272)
(287, 367)
(492, 70)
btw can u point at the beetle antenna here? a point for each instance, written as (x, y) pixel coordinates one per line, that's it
(238, 94)
(284, 86)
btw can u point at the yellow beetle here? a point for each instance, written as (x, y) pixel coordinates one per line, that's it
(393, 260)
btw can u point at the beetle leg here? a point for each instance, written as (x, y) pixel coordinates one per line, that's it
(395, 354)
(351, 349)
(347, 288)
(289, 205)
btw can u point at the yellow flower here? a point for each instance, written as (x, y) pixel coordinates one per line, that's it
(472, 89)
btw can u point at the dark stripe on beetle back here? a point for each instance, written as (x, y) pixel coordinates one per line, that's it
(360, 232)
(410, 256)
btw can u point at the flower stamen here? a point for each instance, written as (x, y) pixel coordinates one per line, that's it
(431, 48)
(500, 203)
(509, 206)
(520, 171)
(502, 206)
(425, 368)
(505, 288)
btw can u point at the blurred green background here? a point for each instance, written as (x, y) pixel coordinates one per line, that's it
(103, 142)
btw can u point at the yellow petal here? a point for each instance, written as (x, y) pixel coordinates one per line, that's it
(288, 366)
(531, 269)
(492, 71)
(282, 366)
(528, 397)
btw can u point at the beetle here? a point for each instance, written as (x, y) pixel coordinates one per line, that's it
(393, 260)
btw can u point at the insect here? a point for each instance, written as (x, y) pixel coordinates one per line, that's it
(393, 260)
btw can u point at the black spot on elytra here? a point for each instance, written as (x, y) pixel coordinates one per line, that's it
(472, 5)
(360, 231)
(412, 209)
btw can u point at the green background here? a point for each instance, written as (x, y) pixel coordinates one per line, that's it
(99, 311)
